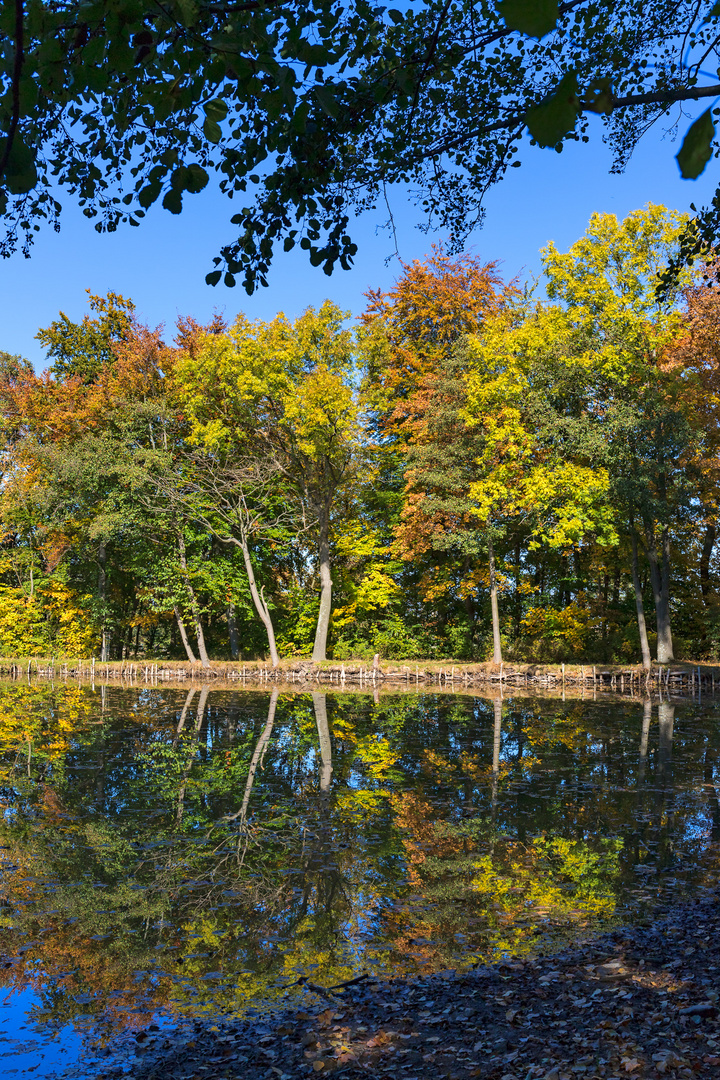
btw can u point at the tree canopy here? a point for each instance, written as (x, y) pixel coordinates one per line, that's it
(468, 471)
(308, 112)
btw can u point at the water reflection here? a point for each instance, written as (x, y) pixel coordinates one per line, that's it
(182, 851)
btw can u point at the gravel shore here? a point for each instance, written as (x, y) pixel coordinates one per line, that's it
(637, 1001)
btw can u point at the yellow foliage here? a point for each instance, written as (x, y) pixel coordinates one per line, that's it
(376, 590)
(53, 621)
(377, 755)
(75, 634)
(23, 629)
(538, 876)
(572, 624)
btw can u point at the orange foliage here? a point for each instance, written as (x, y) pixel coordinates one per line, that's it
(59, 410)
(434, 304)
(694, 357)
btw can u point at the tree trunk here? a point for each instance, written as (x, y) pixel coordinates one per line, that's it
(102, 583)
(193, 603)
(579, 579)
(518, 594)
(497, 644)
(233, 634)
(660, 578)
(323, 623)
(706, 555)
(259, 601)
(639, 607)
(183, 635)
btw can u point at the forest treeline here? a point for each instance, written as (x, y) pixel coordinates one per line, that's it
(474, 469)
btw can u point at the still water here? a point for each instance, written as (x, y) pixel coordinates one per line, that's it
(175, 852)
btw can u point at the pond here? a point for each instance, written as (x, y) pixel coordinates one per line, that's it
(171, 853)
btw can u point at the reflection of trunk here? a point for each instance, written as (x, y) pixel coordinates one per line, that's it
(258, 599)
(102, 582)
(323, 729)
(497, 645)
(647, 718)
(711, 790)
(191, 752)
(233, 634)
(660, 577)
(257, 759)
(323, 623)
(639, 607)
(320, 867)
(666, 719)
(705, 556)
(195, 610)
(497, 732)
(664, 815)
(183, 715)
(183, 634)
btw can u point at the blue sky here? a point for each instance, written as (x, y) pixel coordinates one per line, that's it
(162, 264)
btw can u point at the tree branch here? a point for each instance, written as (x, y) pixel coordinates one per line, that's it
(653, 97)
(667, 97)
(498, 35)
(17, 72)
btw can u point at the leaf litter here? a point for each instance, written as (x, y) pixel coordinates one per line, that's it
(637, 1002)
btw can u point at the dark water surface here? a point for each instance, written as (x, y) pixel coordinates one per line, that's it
(173, 853)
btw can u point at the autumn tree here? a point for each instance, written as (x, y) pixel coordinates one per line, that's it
(414, 383)
(618, 328)
(282, 394)
(75, 432)
(694, 357)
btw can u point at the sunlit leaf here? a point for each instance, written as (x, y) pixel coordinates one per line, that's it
(554, 117)
(696, 149)
(533, 17)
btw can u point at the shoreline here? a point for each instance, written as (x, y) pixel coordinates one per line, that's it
(639, 1000)
(677, 679)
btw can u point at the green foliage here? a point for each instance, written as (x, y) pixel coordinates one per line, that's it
(289, 477)
(82, 349)
(533, 17)
(697, 146)
(550, 122)
(127, 103)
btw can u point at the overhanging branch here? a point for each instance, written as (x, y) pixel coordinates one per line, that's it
(653, 97)
(17, 72)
